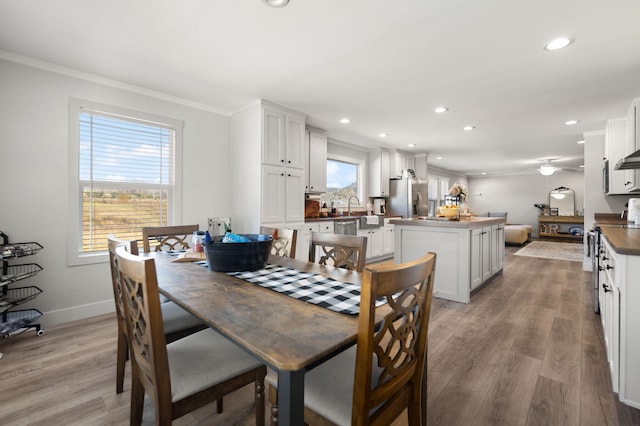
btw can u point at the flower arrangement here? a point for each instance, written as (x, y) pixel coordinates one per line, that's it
(458, 190)
(542, 207)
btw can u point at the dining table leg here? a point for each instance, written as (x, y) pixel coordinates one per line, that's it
(291, 398)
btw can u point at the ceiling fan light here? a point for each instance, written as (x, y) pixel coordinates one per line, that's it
(547, 170)
(277, 3)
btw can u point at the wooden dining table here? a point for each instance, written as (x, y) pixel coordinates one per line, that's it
(289, 335)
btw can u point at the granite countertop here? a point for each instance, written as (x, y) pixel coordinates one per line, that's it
(465, 222)
(622, 240)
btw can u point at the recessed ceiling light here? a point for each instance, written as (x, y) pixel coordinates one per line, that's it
(345, 120)
(383, 135)
(441, 109)
(558, 43)
(582, 166)
(571, 122)
(469, 128)
(277, 3)
(580, 142)
(412, 145)
(483, 173)
(438, 158)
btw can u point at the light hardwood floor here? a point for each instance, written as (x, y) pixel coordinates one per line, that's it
(527, 350)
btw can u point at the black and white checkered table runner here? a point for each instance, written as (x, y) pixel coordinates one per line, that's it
(342, 297)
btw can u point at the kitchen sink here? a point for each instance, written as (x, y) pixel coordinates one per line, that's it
(365, 223)
(346, 226)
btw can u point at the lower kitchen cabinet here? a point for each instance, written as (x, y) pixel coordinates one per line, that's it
(374, 241)
(387, 240)
(464, 253)
(482, 256)
(619, 300)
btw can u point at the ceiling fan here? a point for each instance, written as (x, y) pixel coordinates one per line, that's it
(547, 169)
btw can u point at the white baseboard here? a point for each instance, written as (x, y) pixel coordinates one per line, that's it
(53, 318)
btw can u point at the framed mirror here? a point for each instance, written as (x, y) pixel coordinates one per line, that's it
(562, 202)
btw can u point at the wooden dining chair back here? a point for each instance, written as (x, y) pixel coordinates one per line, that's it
(164, 238)
(184, 375)
(177, 322)
(284, 240)
(122, 348)
(386, 371)
(390, 358)
(342, 251)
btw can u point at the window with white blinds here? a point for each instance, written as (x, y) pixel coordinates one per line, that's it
(125, 175)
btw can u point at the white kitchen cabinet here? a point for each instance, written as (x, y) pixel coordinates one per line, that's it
(485, 246)
(374, 242)
(609, 294)
(497, 248)
(379, 172)
(631, 144)
(616, 132)
(387, 239)
(283, 138)
(316, 159)
(282, 194)
(304, 239)
(619, 299)
(480, 256)
(268, 177)
(402, 162)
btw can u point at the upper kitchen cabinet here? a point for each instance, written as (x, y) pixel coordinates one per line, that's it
(283, 138)
(403, 161)
(316, 162)
(267, 181)
(379, 165)
(614, 142)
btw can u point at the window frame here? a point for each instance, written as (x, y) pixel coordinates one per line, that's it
(360, 192)
(75, 256)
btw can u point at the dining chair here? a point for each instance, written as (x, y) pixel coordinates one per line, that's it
(167, 237)
(385, 373)
(177, 322)
(343, 251)
(184, 375)
(284, 240)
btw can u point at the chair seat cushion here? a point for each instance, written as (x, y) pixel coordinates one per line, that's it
(328, 388)
(202, 359)
(177, 319)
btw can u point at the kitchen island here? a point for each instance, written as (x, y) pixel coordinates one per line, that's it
(469, 251)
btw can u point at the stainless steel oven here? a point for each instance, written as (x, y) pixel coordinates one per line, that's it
(594, 252)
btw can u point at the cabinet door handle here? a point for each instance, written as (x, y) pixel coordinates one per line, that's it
(609, 267)
(606, 288)
(281, 174)
(282, 161)
(289, 174)
(289, 161)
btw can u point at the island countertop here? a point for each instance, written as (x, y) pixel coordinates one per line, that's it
(464, 222)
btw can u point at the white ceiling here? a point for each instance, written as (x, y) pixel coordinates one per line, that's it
(384, 64)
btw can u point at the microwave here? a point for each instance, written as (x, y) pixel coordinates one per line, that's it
(605, 177)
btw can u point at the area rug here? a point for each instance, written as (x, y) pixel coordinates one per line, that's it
(553, 250)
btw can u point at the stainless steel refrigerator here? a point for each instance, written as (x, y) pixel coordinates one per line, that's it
(408, 198)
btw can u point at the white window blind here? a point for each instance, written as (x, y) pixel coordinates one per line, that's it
(126, 176)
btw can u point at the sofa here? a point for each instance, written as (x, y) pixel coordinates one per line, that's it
(513, 233)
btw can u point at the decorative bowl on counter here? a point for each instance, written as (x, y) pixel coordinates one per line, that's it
(449, 211)
(238, 256)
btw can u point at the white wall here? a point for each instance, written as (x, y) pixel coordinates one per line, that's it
(34, 162)
(518, 194)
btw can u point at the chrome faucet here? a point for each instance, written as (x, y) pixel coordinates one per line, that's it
(349, 204)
